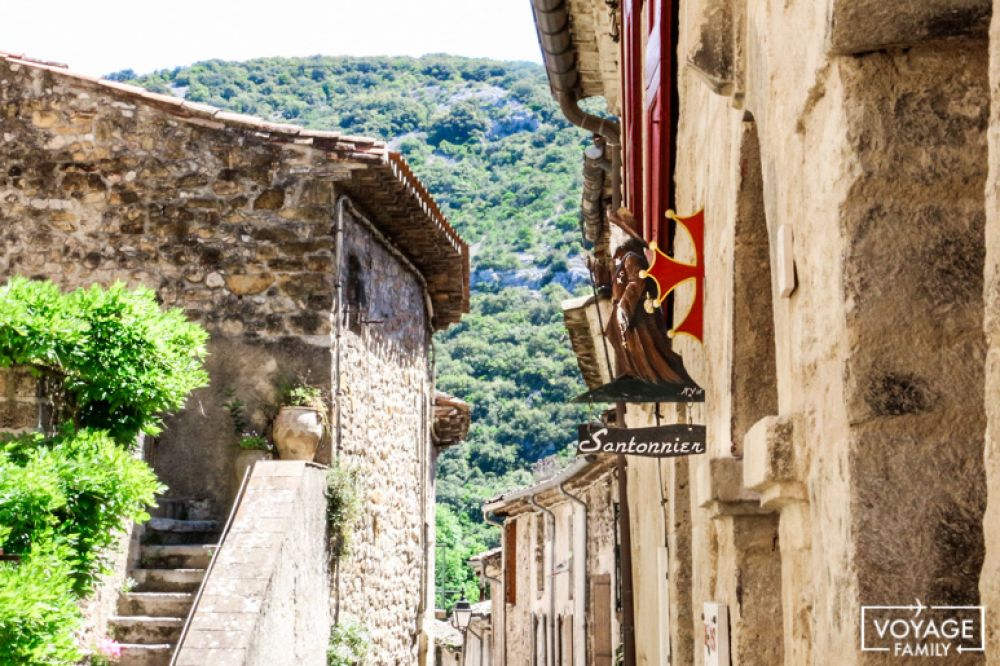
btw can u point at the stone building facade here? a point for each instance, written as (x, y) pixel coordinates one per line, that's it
(554, 585)
(237, 221)
(839, 151)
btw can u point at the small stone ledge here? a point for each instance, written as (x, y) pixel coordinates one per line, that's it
(720, 489)
(862, 26)
(713, 51)
(769, 463)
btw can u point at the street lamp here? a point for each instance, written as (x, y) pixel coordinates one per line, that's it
(461, 615)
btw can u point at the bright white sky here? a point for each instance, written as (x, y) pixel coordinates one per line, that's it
(103, 36)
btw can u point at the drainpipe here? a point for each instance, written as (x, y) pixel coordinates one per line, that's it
(503, 600)
(338, 316)
(553, 26)
(551, 647)
(338, 309)
(586, 591)
(465, 645)
(625, 530)
(592, 213)
(503, 604)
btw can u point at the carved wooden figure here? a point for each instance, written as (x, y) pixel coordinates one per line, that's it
(639, 337)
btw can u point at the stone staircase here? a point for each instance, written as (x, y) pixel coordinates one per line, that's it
(175, 553)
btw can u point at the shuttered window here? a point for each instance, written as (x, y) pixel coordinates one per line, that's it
(566, 640)
(510, 561)
(600, 599)
(632, 115)
(540, 554)
(658, 67)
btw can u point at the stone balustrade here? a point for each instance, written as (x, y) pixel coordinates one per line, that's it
(265, 599)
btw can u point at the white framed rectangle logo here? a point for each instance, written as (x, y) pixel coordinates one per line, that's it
(917, 630)
(715, 619)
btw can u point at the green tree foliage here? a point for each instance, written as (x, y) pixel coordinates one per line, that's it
(66, 500)
(461, 123)
(124, 360)
(38, 611)
(63, 503)
(79, 490)
(456, 543)
(491, 146)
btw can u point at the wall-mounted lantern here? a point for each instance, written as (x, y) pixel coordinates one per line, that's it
(461, 616)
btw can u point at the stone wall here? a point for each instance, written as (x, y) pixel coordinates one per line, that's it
(875, 165)
(862, 480)
(22, 408)
(520, 637)
(989, 584)
(386, 390)
(649, 562)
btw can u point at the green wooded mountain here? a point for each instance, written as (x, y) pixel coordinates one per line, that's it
(489, 143)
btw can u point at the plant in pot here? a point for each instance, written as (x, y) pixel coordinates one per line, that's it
(253, 446)
(300, 424)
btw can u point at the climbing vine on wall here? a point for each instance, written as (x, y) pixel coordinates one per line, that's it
(342, 507)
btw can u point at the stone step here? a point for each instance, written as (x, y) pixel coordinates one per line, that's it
(146, 630)
(176, 556)
(134, 654)
(159, 604)
(175, 531)
(167, 580)
(182, 508)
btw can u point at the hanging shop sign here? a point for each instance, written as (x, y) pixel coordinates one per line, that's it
(669, 441)
(669, 273)
(646, 367)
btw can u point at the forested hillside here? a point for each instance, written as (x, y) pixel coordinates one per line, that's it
(489, 143)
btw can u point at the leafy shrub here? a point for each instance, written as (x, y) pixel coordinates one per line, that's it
(38, 611)
(342, 507)
(77, 492)
(124, 360)
(306, 396)
(254, 443)
(462, 123)
(247, 438)
(349, 643)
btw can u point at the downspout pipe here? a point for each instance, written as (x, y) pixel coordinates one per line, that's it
(553, 25)
(551, 643)
(338, 337)
(625, 539)
(586, 591)
(591, 208)
(503, 600)
(338, 319)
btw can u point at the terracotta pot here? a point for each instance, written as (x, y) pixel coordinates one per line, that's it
(246, 458)
(297, 433)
